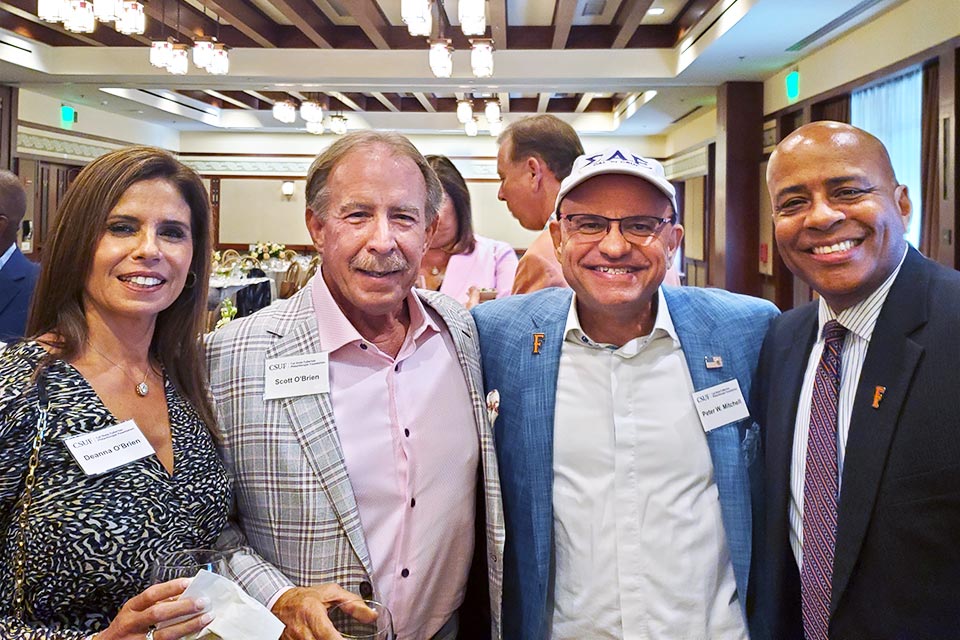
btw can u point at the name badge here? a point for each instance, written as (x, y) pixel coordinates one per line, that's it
(720, 404)
(296, 376)
(105, 450)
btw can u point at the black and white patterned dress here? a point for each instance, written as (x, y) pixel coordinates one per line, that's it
(92, 540)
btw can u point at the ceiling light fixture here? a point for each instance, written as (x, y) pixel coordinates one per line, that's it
(105, 10)
(441, 57)
(80, 17)
(496, 128)
(473, 18)
(161, 53)
(202, 52)
(481, 57)
(131, 18)
(492, 111)
(315, 127)
(464, 111)
(471, 128)
(179, 59)
(338, 124)
(285, 111)
(311, 111)
(416, 14)
(51, 10)
(655, 11)
(220, 60)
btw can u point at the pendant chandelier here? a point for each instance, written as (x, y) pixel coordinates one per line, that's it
(81, 16)
(418, 16)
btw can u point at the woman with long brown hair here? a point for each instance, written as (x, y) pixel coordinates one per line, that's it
(107, 464)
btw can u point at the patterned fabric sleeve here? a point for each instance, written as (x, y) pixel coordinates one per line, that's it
(18, 420)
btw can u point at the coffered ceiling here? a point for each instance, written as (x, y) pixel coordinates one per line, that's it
(611, 66)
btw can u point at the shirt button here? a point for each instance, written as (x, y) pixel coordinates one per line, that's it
(366, 590)
(406, 432)
(363, 346)
(413, 502)
(405, 573)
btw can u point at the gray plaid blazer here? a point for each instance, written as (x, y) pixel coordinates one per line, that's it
(296, 516)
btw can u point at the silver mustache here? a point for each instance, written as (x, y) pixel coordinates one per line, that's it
(379, 264)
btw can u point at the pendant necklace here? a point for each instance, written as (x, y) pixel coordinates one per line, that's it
(141, 388)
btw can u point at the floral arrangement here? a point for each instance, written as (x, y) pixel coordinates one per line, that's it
(228, 311)
(267, 250)
(216, 258)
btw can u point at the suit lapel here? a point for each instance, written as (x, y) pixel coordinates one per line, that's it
(12, 277)
(539, 379)
(313, 424)
(891, 360)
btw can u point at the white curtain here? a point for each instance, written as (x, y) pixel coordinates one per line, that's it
(891, 111)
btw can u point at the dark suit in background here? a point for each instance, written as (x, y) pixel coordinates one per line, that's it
(18, 277)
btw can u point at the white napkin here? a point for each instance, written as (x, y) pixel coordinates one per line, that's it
(238, 616)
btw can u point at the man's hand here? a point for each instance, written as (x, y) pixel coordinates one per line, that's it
(304, 611)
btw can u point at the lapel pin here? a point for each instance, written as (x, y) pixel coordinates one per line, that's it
(713, 362)
(878, 396)
(538, 342)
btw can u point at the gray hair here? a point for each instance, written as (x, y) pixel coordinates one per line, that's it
(318, 196)
(548, 138)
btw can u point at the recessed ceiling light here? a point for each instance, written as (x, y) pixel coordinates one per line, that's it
(655, 11)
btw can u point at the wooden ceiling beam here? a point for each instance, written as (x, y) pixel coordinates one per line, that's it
(428, 103)
(628, 19)
(392, 104)
(562, 21)
(224, 98)
(248, 20)
(584, 102)
(497, 10)
(346, 100)
(504, 102)
(370, 19)
(306, 17)
(543, 102)
(260, 96)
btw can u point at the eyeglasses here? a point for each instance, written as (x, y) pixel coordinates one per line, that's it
(634, 228)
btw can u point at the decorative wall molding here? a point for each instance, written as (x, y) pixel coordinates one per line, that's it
(254, 166)
(687, 165)
(59, 146)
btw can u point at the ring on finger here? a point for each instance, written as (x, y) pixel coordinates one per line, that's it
(150, 631)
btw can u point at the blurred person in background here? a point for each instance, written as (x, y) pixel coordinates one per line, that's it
(114, 357)
(465, 266)
(18, 276)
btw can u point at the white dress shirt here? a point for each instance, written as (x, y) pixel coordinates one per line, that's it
(639, 546)
(6, 255)
(860, 320)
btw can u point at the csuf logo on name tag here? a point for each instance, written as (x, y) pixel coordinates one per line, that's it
(101, 451)
(294, 376)
(720, 404)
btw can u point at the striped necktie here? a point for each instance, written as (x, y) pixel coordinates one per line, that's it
(821, 488)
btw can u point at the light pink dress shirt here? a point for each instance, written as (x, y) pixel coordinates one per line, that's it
(410, 444)
(491, 265)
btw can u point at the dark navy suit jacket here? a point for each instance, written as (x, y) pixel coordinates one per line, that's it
(896, 571)
(18, 277)
(709, 323)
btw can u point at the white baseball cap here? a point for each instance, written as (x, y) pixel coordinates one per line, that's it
(616, 160)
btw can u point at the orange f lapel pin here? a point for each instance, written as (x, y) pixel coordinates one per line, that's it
(537, 342)
(878, 396)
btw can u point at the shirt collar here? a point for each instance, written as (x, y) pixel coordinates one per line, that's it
(335, 330)
(662, 327)
(6, 255)
(861, 318)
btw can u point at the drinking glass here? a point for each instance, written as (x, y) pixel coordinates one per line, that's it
(362, 620)
(188, 562)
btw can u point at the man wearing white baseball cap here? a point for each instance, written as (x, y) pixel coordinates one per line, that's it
(624, 441)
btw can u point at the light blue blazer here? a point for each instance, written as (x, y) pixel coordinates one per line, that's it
(709, 323)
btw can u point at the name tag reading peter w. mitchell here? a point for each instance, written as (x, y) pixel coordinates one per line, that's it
(111, 447)
(296, 376)
(720, 404)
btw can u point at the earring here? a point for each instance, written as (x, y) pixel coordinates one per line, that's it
(190, 281)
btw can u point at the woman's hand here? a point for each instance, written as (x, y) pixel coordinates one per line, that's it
(156, 606)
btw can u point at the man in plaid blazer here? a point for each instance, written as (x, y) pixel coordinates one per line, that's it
(352, 417)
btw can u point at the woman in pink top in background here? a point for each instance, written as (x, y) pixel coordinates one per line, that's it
(465, 266)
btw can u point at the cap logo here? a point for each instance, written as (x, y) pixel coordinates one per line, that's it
(616, 156)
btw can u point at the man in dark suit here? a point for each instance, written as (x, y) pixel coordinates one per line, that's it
(18, 275)
(858, 396)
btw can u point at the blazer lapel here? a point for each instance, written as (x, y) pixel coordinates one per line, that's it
(539, 379)
(891, 360)
(313, 424)
(12, 277)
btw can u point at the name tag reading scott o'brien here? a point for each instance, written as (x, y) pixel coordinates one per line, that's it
(296, 376)
(111, 447)
(720, 404)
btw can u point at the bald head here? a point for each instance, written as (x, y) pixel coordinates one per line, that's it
(826, 134)
(13, 204)
(839, 214)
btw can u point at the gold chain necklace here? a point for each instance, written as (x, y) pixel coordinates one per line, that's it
(141, 388)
